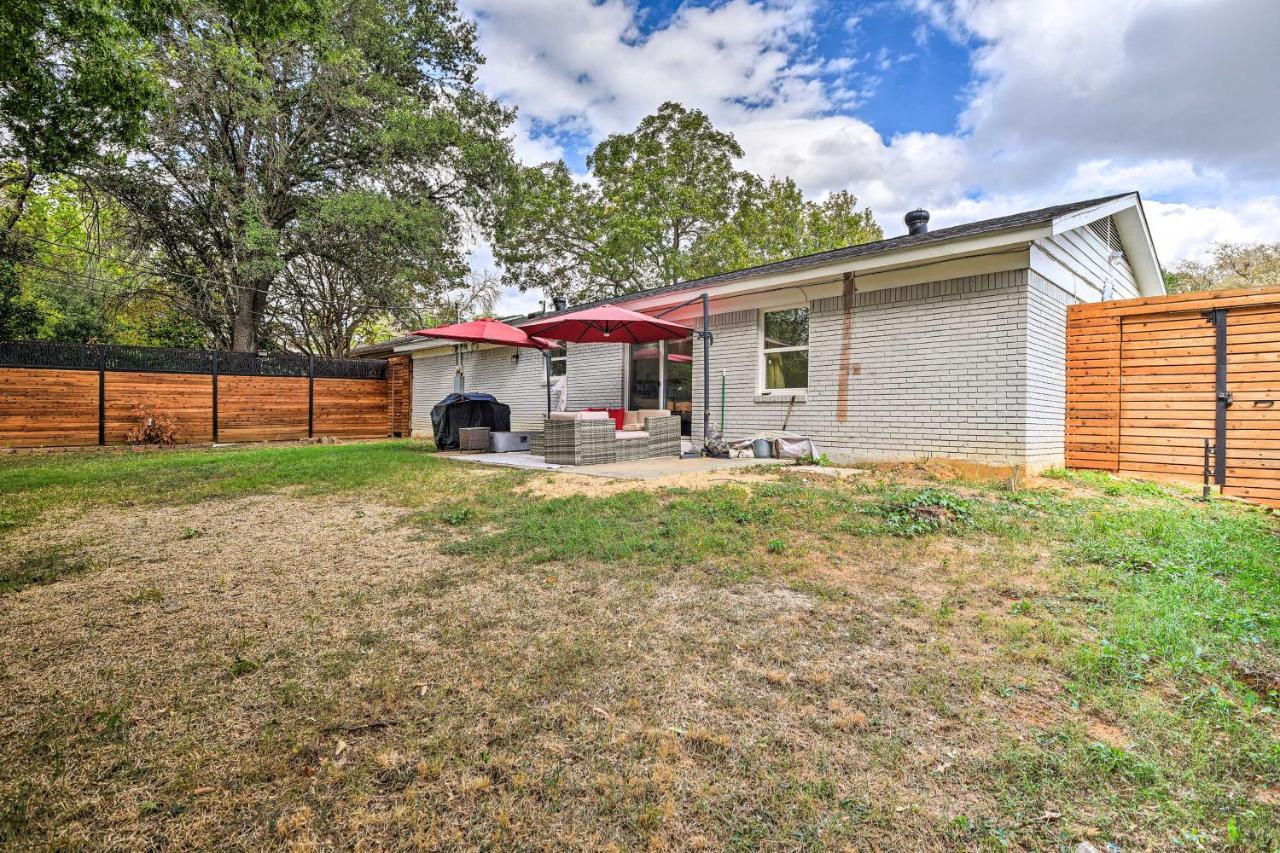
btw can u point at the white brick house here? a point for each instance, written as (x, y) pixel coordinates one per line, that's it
(946, 343)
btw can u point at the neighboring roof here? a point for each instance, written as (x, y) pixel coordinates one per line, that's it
(1058, 216)
(384, 348)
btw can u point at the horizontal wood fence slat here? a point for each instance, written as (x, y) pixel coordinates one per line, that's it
(1150, 380)
(54, 395)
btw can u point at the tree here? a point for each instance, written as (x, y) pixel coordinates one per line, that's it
(655, 192)
(73, 76)
(774, 221)
(273, 110)
(76, 279)
(1229, 265)
(364, 255)
(663, 204)
(667, 184)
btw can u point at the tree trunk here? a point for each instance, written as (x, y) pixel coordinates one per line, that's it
(251, 302)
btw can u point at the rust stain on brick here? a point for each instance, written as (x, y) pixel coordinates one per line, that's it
(846, 348)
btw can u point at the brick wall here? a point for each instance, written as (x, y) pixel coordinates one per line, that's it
(594, 379)
(595, 375)
(935, 369)
(1046, 371)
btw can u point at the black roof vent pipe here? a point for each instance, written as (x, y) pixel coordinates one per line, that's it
(559, 303)
(917, 222)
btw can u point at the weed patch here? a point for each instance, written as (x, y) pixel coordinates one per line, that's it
(45, 566)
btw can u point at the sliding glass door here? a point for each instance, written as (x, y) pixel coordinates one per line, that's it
(661, 377)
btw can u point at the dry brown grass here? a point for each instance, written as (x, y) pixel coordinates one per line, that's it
(278, 671)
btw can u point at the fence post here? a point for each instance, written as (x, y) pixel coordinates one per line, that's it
(311, 395)
(102, 396)
(215, 396)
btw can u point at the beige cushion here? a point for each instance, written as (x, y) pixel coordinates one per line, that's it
(652, 413)
(579, 416)
(631, 433)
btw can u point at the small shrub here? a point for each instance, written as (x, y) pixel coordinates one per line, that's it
(810, 459)
(243, 666)
(926, 511)
(458, 516)
(152, 427)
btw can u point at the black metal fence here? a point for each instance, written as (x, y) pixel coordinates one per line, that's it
(42, 354)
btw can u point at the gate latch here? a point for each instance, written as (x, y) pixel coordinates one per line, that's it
(1226, 397)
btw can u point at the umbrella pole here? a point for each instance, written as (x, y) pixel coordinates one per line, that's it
(706, 369)
(546, 362)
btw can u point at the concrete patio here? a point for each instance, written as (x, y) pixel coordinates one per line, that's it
(640, 469)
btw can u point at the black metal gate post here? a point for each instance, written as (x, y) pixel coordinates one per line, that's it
(1222, 396)
(215, 396)
(311, 395)
(102, 396)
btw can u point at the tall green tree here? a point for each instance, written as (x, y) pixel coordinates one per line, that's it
(73, 78)
(774, 221)
(663, 204)
(273, 109)
(74, 75)
(654, 193)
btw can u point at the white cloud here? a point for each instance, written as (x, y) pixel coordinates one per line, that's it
(1071, 99)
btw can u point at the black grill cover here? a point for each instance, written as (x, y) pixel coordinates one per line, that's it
(467, 410)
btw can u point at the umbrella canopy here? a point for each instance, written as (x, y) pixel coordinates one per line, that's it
(486, 332)
(607, 324)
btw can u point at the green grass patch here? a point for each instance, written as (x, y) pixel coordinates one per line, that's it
(33, 485)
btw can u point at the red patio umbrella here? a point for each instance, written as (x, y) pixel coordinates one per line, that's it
(486, 331)
(489, 331)
(607, 324)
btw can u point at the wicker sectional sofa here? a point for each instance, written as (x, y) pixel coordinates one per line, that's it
(591, 438)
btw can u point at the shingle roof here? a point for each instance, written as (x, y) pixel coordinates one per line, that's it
(906, 241)
(971, 229)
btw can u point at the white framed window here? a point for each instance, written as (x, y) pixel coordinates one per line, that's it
(784, 351)
(559, 362)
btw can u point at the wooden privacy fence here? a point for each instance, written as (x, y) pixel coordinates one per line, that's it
(1150, 381)
(70, 395)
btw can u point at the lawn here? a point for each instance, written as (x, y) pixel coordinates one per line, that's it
(368, 645)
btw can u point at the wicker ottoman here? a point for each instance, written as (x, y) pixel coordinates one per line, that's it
(579, 442)
(632, 445)
(474, 439)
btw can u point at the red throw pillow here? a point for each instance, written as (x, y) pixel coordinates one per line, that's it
(619, 416)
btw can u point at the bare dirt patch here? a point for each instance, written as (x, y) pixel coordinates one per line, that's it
(561, 485)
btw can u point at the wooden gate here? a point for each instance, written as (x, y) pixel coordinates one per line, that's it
(1151, 381)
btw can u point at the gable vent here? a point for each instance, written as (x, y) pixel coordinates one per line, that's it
(1106, 231)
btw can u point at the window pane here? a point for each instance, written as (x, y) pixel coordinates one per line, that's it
(559, 366)
(786, 328)
(786, 369)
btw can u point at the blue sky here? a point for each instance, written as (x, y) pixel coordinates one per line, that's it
(971, 108)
